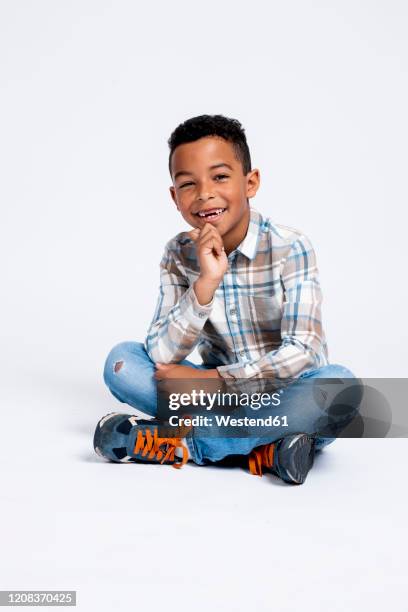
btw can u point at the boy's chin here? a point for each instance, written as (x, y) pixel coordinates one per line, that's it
(220, 228)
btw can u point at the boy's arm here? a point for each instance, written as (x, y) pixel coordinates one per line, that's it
(179, 317)
(301, 325)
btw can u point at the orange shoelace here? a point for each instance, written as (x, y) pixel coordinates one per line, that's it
(149, 445)
(261, 457)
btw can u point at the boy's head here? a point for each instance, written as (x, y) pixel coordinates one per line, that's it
(210, 166)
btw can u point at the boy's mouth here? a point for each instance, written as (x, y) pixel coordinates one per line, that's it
(211, 213)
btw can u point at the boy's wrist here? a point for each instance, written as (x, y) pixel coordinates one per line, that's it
(208, 282)
(204, 290)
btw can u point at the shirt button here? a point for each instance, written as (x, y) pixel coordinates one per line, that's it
(233, 311)
(242, 353)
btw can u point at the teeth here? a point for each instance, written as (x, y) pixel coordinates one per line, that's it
(217, 211)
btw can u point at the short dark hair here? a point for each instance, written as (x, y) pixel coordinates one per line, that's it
(213, 125)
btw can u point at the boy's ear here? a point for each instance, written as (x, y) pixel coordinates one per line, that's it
(253, 182)
(173, 196)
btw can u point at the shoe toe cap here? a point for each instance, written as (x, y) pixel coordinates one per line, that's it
(111, 436)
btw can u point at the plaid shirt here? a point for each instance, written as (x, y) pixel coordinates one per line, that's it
(264, 320)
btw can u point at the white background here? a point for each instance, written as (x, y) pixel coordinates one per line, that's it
(90, 92)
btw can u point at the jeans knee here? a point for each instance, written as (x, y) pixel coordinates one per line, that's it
(351, 390)
(335, 370)
(117, 358)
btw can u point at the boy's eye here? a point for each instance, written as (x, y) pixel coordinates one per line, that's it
(217, 176)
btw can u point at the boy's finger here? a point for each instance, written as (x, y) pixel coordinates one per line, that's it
(208, 227)
(214, 244)
(212, 228)
(194, 234)
(213, 233)
(217, 243)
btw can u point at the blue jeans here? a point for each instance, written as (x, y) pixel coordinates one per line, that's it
(129, 375)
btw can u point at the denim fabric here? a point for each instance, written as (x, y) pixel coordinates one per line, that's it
(133, 383)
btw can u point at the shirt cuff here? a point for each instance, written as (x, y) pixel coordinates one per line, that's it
(235, 370)
(236, 379)
(193, 311)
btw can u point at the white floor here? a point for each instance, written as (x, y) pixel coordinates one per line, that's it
(90, 93)
(156, 538)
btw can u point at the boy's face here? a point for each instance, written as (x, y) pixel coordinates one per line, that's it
(199, 186)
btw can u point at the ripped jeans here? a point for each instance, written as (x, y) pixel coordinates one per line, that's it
(129, 375)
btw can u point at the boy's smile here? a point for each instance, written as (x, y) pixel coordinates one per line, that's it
(209, 186)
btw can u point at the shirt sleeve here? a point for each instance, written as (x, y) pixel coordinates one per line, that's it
(179, 318)
(301, 325)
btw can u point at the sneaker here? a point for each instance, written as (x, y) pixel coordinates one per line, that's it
(290, 458)
(126, 438)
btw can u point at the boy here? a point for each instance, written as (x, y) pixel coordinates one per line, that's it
(242, 289)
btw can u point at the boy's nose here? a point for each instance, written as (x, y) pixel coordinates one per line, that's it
(204, 196)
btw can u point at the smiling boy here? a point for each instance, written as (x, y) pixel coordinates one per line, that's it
(243, 290)
(218, 209)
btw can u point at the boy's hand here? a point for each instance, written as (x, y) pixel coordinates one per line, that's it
(211, 255)
(167, 375)
(175, 370)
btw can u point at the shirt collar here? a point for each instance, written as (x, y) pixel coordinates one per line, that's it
(249, 245)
